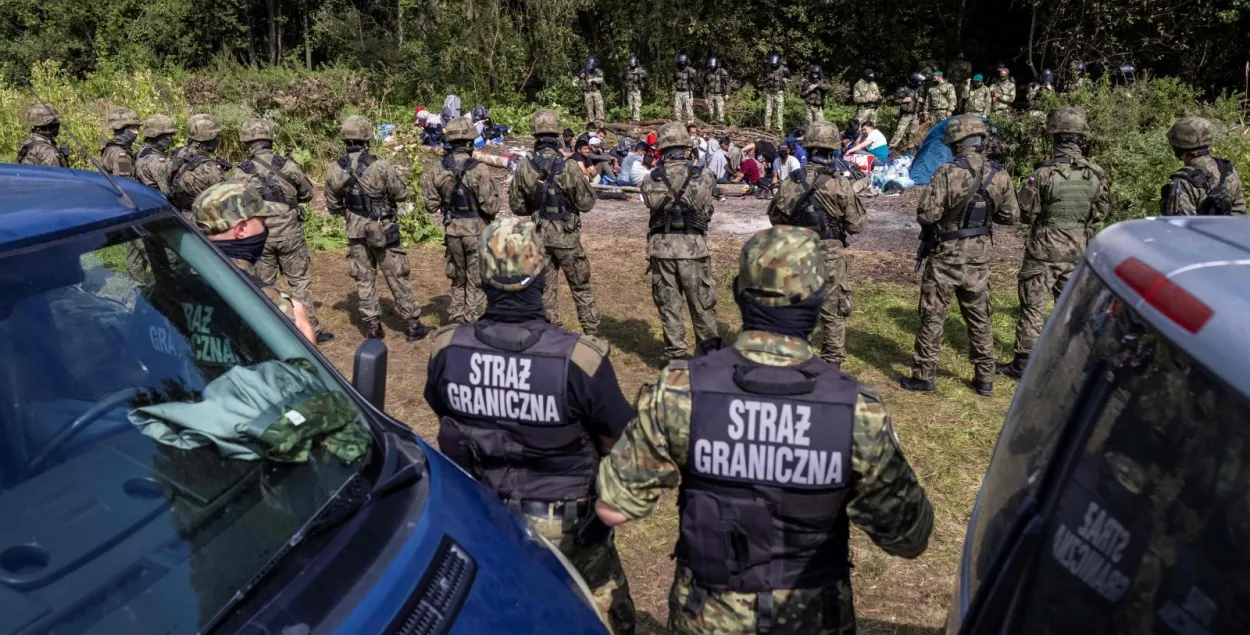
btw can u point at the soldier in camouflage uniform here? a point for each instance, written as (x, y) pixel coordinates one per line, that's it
(966, 196)
(680, 197)
(910, 100)
(823, 200)
(117, 156)
(774, 85)
(280, 181)
(464, 193)
(40, 147)
(543, 472)
(1204, 185)
(941, 99)
(556, 191)
(1038, 90)
(739, 568)
(960, 75)
(232, 216)
(684, 80)
(716, 86)
(813, 93)
(194, 168)
(980, 97)
(635, 82)
(591, 81)
(152, 167)
(1003, 92)
(867, 97)
(367, 191)
(1061, 201)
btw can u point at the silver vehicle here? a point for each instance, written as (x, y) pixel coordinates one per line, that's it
(1118, 496)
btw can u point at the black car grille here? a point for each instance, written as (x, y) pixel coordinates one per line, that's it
(438, 598)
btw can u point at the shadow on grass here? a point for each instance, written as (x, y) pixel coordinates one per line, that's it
(877, 627)
(633, 336)
(437, 306)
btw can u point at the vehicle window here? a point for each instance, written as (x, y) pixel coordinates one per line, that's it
(164, 433)
(1043, 404)
(1152, 530)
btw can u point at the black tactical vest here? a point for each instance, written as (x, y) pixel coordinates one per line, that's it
(354, 197)
(506, 386)
(180, 196)
(678, 216)
(810, 213)
(1217, 201)
(463, 203)
(977, 214)
(553, 205)
(269, 189)
(765, 484)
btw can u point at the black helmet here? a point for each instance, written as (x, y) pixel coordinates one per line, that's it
(916, 79)
(633, 61)
(712, 62)
(1002, 66)
(774, 60)
(682, 60)
(1080, 66)
(1048, 76)
(591, 63)
(868, 73)
(815, 70)
(900, 91)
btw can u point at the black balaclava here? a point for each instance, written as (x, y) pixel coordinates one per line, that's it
(50, 131)
(1069, 145)
(209, 146)
(263, 144)
(127, 135)
(971, 144)
(546, 141)
(356, 145)
(162, 142)
(516, 306)
(820, 156)
(797, 320)
(249, 249)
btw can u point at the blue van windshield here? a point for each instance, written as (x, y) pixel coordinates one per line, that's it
(165, 433)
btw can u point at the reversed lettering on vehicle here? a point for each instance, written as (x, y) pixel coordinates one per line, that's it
(207, 346)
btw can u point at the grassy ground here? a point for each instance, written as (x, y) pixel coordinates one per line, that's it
(947, 437)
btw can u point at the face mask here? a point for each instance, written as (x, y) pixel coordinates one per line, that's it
(210, 146)
(248, 249)
(163, 142)
(128, 136)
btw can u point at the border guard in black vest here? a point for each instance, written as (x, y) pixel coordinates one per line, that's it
(777, 452)
(529, 408)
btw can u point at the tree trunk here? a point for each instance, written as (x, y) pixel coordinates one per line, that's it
(271, 7)
(307, 40)
(959, 26)
(1032, 30)
(399, 21)
(251, 44)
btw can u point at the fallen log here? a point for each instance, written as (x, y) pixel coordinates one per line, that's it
(723, 189)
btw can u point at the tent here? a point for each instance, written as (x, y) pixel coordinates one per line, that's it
(932, 154)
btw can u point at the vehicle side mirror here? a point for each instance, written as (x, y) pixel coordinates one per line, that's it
(369, 372)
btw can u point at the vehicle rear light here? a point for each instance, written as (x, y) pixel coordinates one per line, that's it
(1163, 294)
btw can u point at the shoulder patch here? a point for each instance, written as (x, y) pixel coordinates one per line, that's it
(589, 353)
(442, 338)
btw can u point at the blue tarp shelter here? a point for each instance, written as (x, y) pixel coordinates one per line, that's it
(932, 154)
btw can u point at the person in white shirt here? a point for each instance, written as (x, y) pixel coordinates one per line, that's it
(871, 141)
(633, 170)
(784, 164)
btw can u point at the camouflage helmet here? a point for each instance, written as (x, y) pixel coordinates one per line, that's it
(512, 254)
(256, 130)
(203, 128)
(823, 134)
(42, 115)
(157, 125)
(121, 118)
(962, 127)
(459, 129)
(780, 266)
(221, 206)
(545, 122)
(1067, 121)
(672, 135)
(1191, 133)
(356, 128)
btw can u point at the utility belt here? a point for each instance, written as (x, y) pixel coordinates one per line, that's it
(577, 517)
(967, 232)
(367, 212)
(682, 231)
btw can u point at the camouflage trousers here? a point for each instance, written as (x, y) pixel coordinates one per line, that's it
(674, 282)
(576, 268)
(1038, 283)
(363, 263)
(866, 114)
(468, 301)
(289, 256)
(634, 100)
(970, 285)
(137, 261)
(594, 105)
(834, 310)
(683, 106)
(813, 113)
(775, 110)
(600, 566)
(905, 133)
(818, 611)
(716, 108)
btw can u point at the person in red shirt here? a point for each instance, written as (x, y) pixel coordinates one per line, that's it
(749, 172)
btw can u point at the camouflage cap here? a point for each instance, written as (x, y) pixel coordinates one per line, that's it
(962, 127)
(1067, 121)
(121, 118)
(545, 122)
(1191, 133)
(157, 125)
(823, 134)
(203, 128)
(221, 206)
(42, 115)
(256, 130)
(672, 135)
(512, 254)
(356, 128)
(781, 266)
(459, 129)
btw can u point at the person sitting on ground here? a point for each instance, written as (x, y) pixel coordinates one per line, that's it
(733, 154)
(716, 162)
(581, 154)
(871, 141)
(850, 136)
(605, 164)
(633, 168)
(765, 152)
(592, 130)
(784, 164)
(795, 141)
(749, 172)
(566, 143)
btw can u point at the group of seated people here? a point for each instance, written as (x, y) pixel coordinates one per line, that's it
(430, 124)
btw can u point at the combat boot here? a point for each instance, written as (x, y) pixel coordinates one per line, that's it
(324, 337)
(373, 329)
(416, 331)
(916, 384)
(984, 387)
(1013, 369)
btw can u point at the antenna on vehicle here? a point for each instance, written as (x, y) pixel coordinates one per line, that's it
(82, 147)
